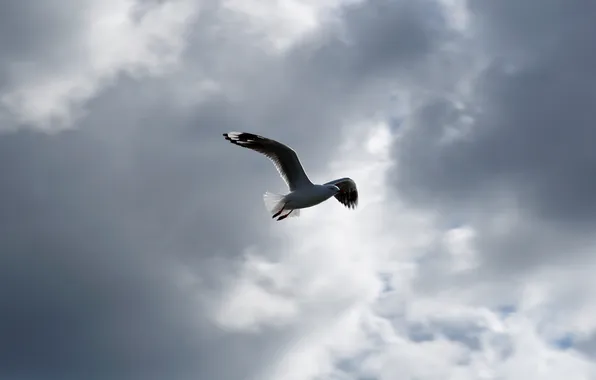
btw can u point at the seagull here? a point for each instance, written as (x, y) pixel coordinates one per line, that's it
(303, 193)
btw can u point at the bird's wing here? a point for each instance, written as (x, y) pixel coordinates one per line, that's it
(285, 159)
(348, 193)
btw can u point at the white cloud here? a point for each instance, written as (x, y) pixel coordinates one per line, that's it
(257, 298)
(355, 308)
(279, 24)
(459, 243)
(112, 40)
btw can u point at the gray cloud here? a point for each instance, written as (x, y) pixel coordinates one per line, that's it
(96, 229)
(525, 146)
(98, 220)
(534, 125)
(102, 224)
(533, 115)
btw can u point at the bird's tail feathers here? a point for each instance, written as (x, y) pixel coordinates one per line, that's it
(274, 204)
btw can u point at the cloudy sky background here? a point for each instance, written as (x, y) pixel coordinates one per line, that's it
(135, 244)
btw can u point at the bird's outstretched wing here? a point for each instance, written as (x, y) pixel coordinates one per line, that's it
(285, 159)
(348, 193)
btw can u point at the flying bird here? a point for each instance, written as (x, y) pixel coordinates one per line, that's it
(303, 193)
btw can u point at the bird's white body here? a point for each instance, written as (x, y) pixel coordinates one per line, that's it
(303, 193)
(309, 196)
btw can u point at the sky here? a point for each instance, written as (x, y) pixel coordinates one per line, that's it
(135, 243)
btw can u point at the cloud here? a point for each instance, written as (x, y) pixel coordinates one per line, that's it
(530, 119)
(516, 169)
(49, 90)
(136, 245)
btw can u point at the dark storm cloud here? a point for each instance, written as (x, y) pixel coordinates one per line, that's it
(30, 29)
(95, 225)
(96, 220)
(29, 34)
(534, 116)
